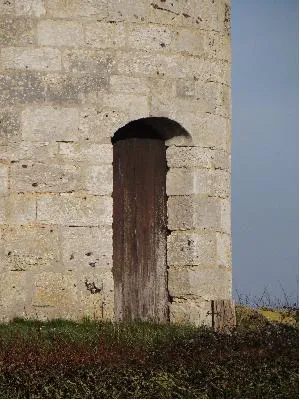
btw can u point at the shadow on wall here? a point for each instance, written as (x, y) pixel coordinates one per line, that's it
(153, 127)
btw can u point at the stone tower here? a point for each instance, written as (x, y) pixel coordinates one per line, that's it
(86, 87)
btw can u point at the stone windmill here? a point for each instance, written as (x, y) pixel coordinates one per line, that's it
(115, 160)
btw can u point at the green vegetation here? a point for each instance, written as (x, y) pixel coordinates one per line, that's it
(63, 359)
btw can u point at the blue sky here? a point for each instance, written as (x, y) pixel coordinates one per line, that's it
(265, 147)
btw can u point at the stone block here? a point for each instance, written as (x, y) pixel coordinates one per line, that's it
(94, 153)
(95, 295)
(99, 62)
(190, 311)
(97, 124)
(128, 10)
(185, 88)
(150, 37)
(105, 35)
(190, 41)
(162, 105)
(20, 209)
(17, 152)
(50, 123)
(210, 15)
(206, 282)
(190, 157)
(40, 177)
(68, 209)
(77, 8)
(87, 248)
(19, 87)
(55, 290)
(216, 94)
(224, 249)
(179, 13)
(74, 88)
(99, 179)
(31, 248)
(206, 130)
(129, 84)
(60, 33)
(3, 211)
(15, 290)
(36, 59)
(182, 181)
(32, 8)
(190, 212)
(192, 249)
(17, 31)
(217, 46)
(135, 105)
(3, 179)
(7, 7)
(10, 125)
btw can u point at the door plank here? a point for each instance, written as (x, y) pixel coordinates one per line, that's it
(139, 230)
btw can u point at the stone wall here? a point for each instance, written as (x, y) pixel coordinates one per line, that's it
(72, 72)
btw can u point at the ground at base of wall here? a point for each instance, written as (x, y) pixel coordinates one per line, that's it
(90, 359)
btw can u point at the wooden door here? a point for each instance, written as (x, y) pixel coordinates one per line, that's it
(139, 230)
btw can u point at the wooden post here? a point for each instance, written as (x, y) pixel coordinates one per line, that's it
(223, 315)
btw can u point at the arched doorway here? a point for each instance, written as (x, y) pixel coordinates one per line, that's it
(140, 223)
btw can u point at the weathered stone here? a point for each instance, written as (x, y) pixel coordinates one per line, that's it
(21, 209)
(182, 181)
(179, 13)
(36, 59)
(192, 249)
(189, 157)
(105, 35)
(21, 87)
(69, 209)
(206, 282)
(17, 209)
(50, 123)
(206, 130)
(15, 292)
(9, 125)
(94, 153)
(7, 7)
(60, 33)
(3, 178)
(190, 212)
(34, 8)
(75, 87)
(77, 8)
(99, 123)
(99, 180)
(17, 31)
(152, 37)
(54, 289)
(100, 62)
(31, 248)
(127, 10)
(128, 84)
(224, 249)
(190, 311)
(87, 248)
(135, 105)
(17, 152)
(40, 177)
(216, 94)
(185, 88)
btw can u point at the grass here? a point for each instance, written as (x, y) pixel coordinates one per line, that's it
(63, 359)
